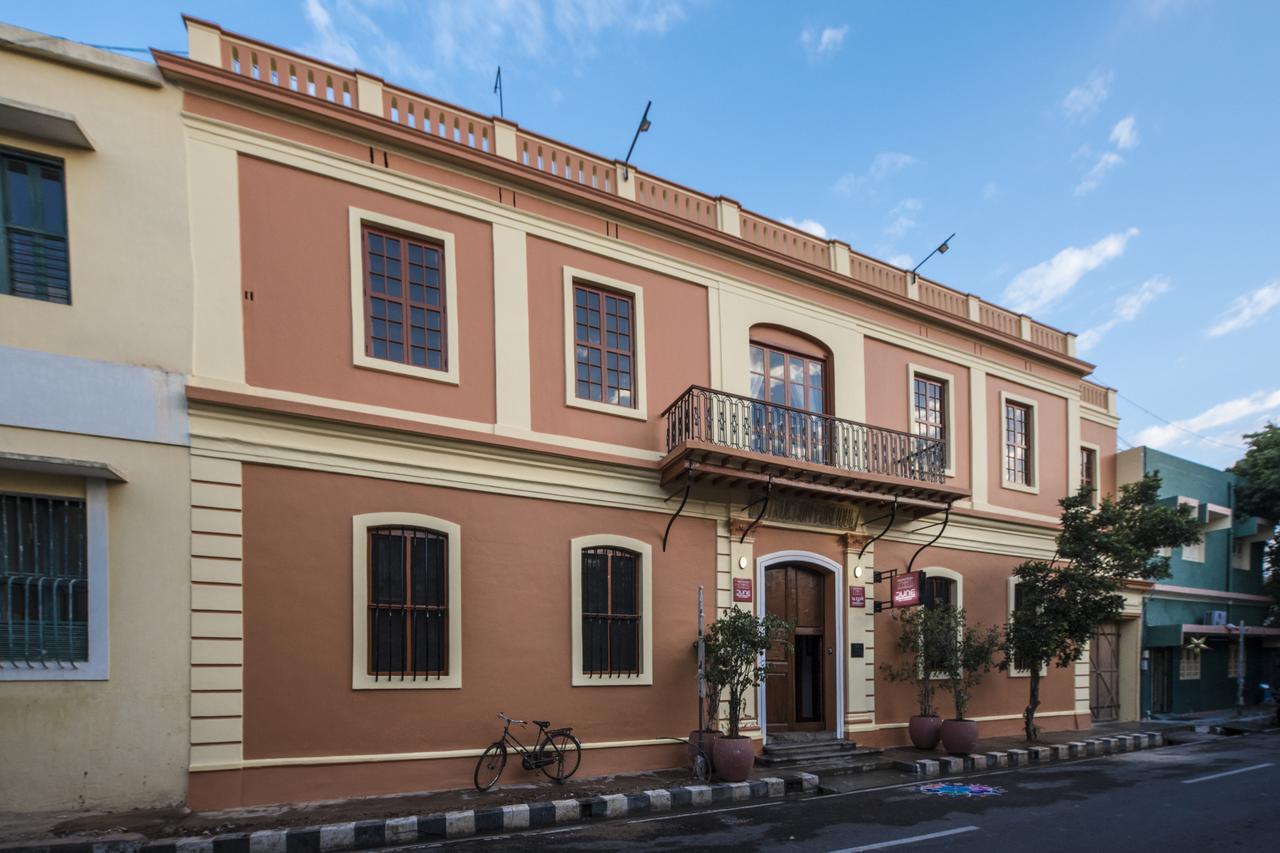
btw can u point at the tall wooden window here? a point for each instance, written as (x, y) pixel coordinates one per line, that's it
(1088, 469)
(1017, 444)
(938, 590)
(404, 297)
(44, 584)
(408, 602)
(929, 407)
(788, 379)
(604, 346)
(610, 611)
(33, 228)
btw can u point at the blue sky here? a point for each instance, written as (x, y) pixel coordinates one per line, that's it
(1110, 168)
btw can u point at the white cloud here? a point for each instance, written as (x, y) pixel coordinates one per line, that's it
(990, 190)
(1246, 310)
(818, 44)
(809, 226)
(1050, 280)
(1258, 408)
(1125, 133)
(329, 43)
(883, 166)
(902, 261)
(1125, 310)
(1092, 179)
(904, 217)
(1084, 100)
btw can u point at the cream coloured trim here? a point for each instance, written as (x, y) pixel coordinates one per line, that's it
(645, 550)
(512, 382)
(356, 218)
(979, 444)
(640, 410)
(1034, 488)
(351, 170)
(360, 524)
(213, 176)
(949, 381)
(379, 757)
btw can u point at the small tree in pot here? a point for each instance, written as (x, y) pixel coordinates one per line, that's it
(968, 657)
(922, 646)
(736, 646)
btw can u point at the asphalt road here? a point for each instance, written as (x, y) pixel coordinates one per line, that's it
(1209, 796)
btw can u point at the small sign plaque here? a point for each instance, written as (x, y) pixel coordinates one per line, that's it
(742, 589)
(857, 596)
(906, 589)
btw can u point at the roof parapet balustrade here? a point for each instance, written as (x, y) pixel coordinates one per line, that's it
(721, 438)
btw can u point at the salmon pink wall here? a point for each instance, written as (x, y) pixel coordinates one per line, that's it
(1105, 438)
(515, 621)
(295, 257)
(677, 351)
(889, 402)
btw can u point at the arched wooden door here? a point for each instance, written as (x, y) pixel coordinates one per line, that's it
(796, 688)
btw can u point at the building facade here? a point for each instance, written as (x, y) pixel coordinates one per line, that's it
(95, 343)
(1214, 587)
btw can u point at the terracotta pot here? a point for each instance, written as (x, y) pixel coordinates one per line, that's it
(959, 737)
(708, 741)
(924, 731)
(733, 758)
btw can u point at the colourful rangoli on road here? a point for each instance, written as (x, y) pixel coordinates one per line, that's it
(958, 789)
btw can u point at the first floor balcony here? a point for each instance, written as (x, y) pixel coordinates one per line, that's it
(721, 438)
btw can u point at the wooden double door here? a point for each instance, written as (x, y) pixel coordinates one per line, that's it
(1104, 673)
(801, 680)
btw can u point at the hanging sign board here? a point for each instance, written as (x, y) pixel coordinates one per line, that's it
(906, 589)
(742, 589)
(857, 596)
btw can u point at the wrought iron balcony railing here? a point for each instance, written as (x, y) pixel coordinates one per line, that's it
(743, 424)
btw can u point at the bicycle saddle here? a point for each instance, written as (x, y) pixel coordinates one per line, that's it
(542, 724)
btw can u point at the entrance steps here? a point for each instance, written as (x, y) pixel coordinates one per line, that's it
(821, 751)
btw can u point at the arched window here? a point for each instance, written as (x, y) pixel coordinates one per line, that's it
(938, 590)
(611, 608)
(790, 376)
(610, 611)
(408, 605)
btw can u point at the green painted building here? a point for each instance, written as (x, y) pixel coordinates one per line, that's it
(1215, 587)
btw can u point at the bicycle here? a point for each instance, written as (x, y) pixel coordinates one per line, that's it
(557, 753)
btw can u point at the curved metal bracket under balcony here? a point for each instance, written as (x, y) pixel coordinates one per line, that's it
(727, 439)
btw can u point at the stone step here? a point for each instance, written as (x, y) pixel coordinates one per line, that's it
(796, 748)
(852, 760)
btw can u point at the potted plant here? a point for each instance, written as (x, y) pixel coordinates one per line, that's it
(922, 649)
(736, 646)
(968, 657)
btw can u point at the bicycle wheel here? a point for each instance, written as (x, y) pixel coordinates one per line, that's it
(560, 756)
(490, 765)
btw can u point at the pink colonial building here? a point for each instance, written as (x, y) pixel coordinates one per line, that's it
(474, 414)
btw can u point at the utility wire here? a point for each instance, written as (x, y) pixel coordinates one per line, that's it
(1180, 426)
(114, 47)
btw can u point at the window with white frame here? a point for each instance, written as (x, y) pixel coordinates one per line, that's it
(1189, 665)
(1019, 442)
(932, 408)
(604, 344)
(1193, 553)
(406, 620)
(611, 604)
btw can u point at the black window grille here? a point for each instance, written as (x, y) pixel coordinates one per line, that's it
(408, 603)
(33, 237)
(939, 591)
(610, 612)
(44, 584)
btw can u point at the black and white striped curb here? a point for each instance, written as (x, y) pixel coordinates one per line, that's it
(1088, 748)
(372, 834)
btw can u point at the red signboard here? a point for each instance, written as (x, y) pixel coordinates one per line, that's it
(857, 596)
(906, 589)
(742, 589)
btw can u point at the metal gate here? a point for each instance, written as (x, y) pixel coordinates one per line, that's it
(1104, 674)
(1161, 678)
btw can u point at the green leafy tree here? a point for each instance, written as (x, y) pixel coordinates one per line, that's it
(969, 655)
(736, 646)
(1065, 599)
(1258, 493)
(923, 644)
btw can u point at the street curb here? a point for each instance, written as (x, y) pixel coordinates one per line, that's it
(1088, 748)
(372, 834)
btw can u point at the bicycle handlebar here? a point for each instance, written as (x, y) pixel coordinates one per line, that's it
(502, 716)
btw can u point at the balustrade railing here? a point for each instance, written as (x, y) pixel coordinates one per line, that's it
(755, 426)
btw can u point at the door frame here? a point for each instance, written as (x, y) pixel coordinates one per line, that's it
(834, 612)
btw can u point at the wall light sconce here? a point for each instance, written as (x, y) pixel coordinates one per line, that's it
(742, 562)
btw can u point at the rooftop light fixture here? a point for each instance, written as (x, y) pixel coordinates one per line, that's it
(643, 126)
(941, 250)
(497, 90)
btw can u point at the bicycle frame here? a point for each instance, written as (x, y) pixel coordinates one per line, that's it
(528, 753)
